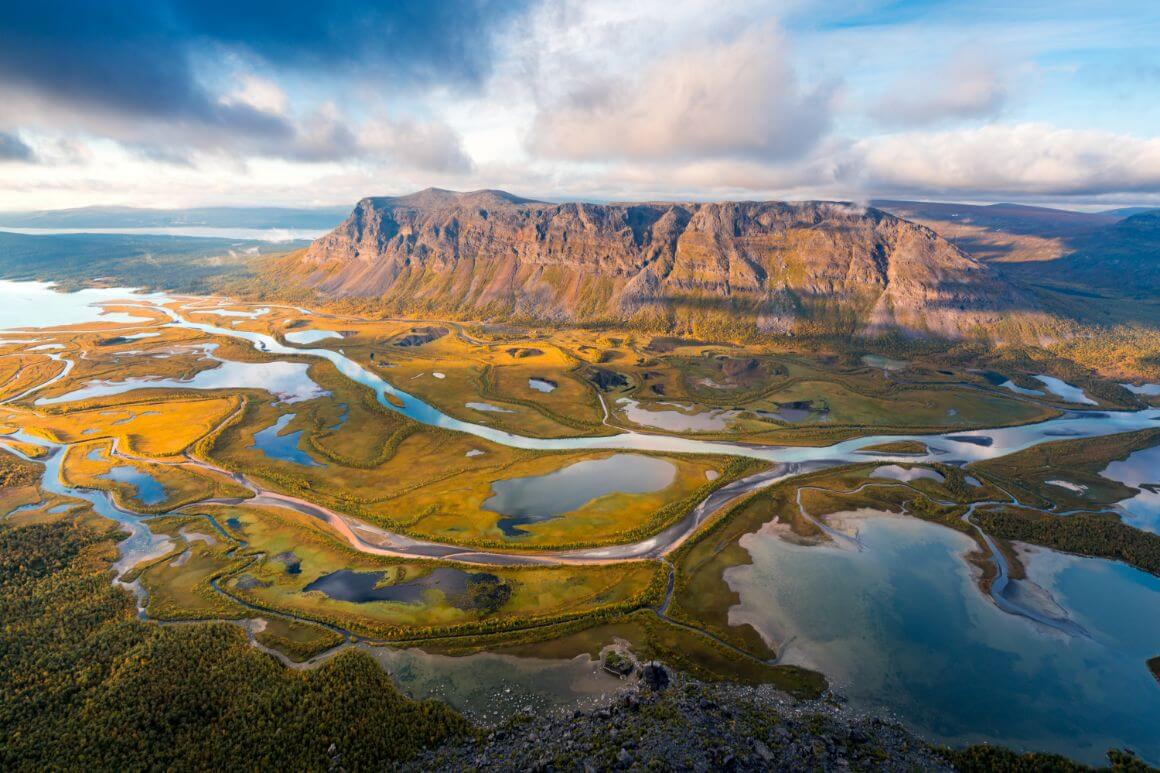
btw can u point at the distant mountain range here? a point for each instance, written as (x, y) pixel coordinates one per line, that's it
(1124, 257)
(785, 268)
(1116, 251)
(1015, 218)
(209, 217)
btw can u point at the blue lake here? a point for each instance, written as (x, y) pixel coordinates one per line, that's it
(310, 336)
(1065, 391)
(901, 626)
(286, 380)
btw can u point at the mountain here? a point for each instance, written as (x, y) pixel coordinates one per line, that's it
(1014, 218)
(774, 267)
(1002, 233)
(1124, 256)
(210, 217)
(1129, 211)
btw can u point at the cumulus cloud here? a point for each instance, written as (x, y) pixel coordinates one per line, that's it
(1021, 159)
(968, 85)
(422, 145)
(740, 98)
(12, 148)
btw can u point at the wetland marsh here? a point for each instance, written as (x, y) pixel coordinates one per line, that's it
(430, 491)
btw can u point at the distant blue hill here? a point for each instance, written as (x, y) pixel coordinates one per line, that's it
(1129, 211)
(209, 217)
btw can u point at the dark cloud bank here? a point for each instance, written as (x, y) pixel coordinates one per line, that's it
(139, 59)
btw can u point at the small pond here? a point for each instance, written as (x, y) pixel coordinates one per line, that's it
(898, 472)
(537, 498)
(1065, 391)
(283, 446)
(149, 490)
(363, 587)
(542, 384)
(796, 412)
(487, 408)
(677, 417)
(310, 336)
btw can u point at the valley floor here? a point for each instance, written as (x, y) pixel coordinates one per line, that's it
(522, 496)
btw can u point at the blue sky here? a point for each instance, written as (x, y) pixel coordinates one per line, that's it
(179, 103)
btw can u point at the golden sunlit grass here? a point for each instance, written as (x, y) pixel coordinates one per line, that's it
(453, 509)
(156, 428)
(281, 538)
(25, 371)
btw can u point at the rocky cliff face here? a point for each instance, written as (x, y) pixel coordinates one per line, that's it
(778, 267)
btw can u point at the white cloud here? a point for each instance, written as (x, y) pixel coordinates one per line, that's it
(967, 85)
(259, 93)
(604, 99)
(1021, 159)
(740, 98)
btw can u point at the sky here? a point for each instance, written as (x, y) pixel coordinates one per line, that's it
(177, 103)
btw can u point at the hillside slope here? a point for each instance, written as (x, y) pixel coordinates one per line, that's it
(1125, 256)
(774, 267)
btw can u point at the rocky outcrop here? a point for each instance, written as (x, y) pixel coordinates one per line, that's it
(771, 267)
(697, 726)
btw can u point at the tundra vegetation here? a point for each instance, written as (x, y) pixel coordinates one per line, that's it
(270, 501)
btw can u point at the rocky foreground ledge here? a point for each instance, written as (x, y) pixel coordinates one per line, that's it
(666, 721)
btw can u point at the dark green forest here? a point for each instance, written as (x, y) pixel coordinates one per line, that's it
(86, 685)
(1102, 536)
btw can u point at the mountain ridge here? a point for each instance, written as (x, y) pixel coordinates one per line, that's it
(774, 267)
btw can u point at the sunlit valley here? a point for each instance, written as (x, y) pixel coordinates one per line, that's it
(701, 476)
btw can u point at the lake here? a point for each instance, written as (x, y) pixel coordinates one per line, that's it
(1141, 471)
(276, 235)
(287, 380)
(537, 498)
(900, 626)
